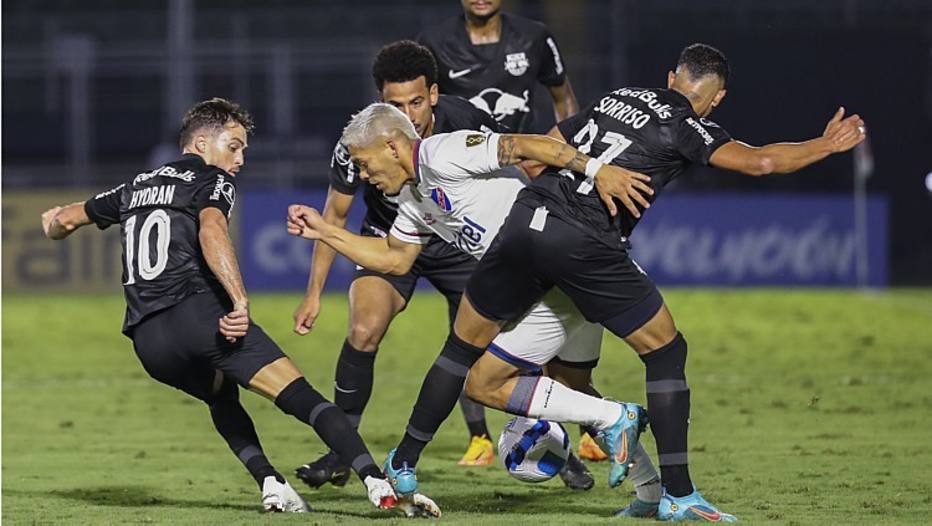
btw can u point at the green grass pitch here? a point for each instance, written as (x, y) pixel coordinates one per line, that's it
(808, 407)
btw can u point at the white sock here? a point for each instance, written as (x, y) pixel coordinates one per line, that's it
(554, 401)
(644, 476)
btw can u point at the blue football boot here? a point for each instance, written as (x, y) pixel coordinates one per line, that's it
(692, 507)
(403, 480)
(620, 440)
(638, 508)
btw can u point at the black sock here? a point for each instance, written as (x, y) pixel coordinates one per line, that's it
(474, 413)
(668, 407)
(588, 430)
(353, 381)
(303, 402)
(439, 392)
(234, 425)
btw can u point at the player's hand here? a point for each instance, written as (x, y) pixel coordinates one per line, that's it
(843, 133)
(47, 217)
(306, 314)
(235, 324)
(306, 222)
(631, 188)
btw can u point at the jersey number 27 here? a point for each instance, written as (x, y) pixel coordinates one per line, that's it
(617, 143)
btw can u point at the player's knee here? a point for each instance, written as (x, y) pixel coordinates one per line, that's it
(366, 334)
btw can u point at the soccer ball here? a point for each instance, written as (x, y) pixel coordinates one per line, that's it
(533, 450)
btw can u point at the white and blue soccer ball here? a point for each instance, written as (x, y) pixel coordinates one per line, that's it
(533, 450)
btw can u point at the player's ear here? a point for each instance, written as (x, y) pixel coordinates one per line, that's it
(434, 94)
(391, 142)
(200, 144)
(671, 76)
(718, 97)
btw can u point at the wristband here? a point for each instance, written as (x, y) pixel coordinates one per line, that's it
(593, 166)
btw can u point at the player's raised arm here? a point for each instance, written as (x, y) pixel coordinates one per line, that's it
(59, 222)
(220, 256)
(387, 255)
(611, 181)
(840, 135)
(336, 213)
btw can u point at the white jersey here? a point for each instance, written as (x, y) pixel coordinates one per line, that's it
(460, 192)
(463, 195)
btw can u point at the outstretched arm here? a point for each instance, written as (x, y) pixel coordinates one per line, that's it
(61, 221)
(610, 181)
(387, 255)
(840, 135)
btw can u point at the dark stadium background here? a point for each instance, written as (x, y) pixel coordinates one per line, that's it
(93, 91)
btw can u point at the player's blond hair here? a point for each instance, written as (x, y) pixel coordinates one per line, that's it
(374, 121)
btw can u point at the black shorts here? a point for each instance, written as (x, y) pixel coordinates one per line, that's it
(523, 264)
(446, 267)
(181, 346)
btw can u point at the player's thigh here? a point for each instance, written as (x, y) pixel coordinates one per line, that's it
(247, 357)
(606, 285)
(503, 285)
(583, 346)
(374, 301)
(535, 339)
(162, 355)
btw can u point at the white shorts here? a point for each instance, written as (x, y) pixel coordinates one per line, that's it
(553, 328)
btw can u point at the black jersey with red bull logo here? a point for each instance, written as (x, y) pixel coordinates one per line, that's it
(159, 217)
(498, 78)
(450, 114)
(651, 131)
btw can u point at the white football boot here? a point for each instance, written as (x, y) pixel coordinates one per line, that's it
(278, 497)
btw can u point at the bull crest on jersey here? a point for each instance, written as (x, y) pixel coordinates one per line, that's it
(438, 196)
(516, 63)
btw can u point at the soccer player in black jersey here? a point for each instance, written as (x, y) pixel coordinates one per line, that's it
(561, 233)
(496, 60)
(405, 75)
(187, 310)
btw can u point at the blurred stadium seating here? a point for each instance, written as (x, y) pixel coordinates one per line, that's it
(93, 91)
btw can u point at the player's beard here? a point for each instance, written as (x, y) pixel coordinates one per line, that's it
(483, 19)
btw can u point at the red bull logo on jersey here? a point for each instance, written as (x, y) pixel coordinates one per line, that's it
(499, 104)
(438, 196)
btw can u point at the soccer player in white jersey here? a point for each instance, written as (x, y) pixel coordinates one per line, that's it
(458, 186)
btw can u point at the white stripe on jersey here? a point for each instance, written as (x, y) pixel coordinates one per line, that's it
(462, 194)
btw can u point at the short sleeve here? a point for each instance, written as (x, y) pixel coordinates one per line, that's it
(219, 192)
(462, 153)
(104, 208)
(551, 72)
(697, 139)
(408, 230)
(485, 122)
(571, 125)
(344, 174)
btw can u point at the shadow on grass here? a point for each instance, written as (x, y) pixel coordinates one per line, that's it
(541, 500)
(137, 497)
(141, 497)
